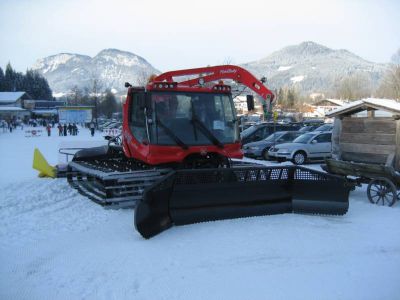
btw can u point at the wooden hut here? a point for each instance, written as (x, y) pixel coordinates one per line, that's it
(367, 131)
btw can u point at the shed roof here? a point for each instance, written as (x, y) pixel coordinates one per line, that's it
(8, 97)
(364, 104)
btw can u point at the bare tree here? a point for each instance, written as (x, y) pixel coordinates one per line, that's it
(396, 57)
(96, 86)
(75, 96)
(228, 61)
(353, 87)
(390, 85)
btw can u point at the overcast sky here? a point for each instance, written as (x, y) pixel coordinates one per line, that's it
(173, 34)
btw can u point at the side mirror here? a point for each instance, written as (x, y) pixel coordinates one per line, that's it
(313, 141)
(127, 84)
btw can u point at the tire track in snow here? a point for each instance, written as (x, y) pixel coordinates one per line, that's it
(36, 209)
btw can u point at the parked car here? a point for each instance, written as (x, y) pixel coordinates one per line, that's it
(309, 128)
(308, 146)
(260, 148)
(325, 127)
(261, 131)
(317, 122)
(246, 125)
(104, 125)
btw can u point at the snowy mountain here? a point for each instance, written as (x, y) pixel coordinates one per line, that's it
(312, 67)
(111, 66)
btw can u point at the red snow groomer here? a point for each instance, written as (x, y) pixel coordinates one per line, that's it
(174, 163)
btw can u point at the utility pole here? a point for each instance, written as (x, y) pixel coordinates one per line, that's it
(95, 101)
(95, 109)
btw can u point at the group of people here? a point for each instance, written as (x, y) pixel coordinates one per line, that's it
(9, 125)
(64, 130)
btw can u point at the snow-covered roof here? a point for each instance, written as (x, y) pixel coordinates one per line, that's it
(333, 101)
(10, 96)
(11, 108)
(364, 104)
(45, 111)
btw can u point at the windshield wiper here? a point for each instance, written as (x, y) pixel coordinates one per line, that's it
(172, 135)
(203, 128)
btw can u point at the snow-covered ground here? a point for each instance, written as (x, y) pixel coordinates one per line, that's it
(56, 244)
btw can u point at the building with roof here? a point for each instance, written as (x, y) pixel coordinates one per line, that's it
(322, 107)
(12, 105)
(43, 108)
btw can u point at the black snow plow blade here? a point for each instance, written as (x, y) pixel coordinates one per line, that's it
(192, 196)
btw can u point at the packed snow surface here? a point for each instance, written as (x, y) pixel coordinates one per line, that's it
(56, 244)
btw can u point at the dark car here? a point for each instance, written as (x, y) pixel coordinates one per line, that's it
(317, 122)
(261, 131)
(260, 148)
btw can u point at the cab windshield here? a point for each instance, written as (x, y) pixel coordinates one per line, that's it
(186, 119)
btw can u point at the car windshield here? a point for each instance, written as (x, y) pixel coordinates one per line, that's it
(248, 131)
(306, 129)
(304, 138)
(193, 119)
(325, 127)
(275, 136)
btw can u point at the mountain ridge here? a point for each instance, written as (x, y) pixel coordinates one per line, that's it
(309, 67)
(112, 67)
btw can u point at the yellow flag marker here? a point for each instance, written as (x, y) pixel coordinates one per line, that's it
(41, 164)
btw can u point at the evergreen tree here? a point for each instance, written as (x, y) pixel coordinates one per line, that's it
(2, 80)
(36, 86)
(108, 105)
(32, 82)
(9, 78)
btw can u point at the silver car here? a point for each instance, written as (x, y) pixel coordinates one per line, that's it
(313, 145)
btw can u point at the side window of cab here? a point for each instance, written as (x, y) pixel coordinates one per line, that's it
(137, 117)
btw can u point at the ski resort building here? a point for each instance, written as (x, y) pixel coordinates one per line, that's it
(11, 105)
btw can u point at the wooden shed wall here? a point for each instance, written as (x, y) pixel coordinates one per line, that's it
(369, 140)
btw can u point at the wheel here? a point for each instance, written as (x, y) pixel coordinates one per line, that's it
(265, 155)
(299, 158)
(382, 191)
